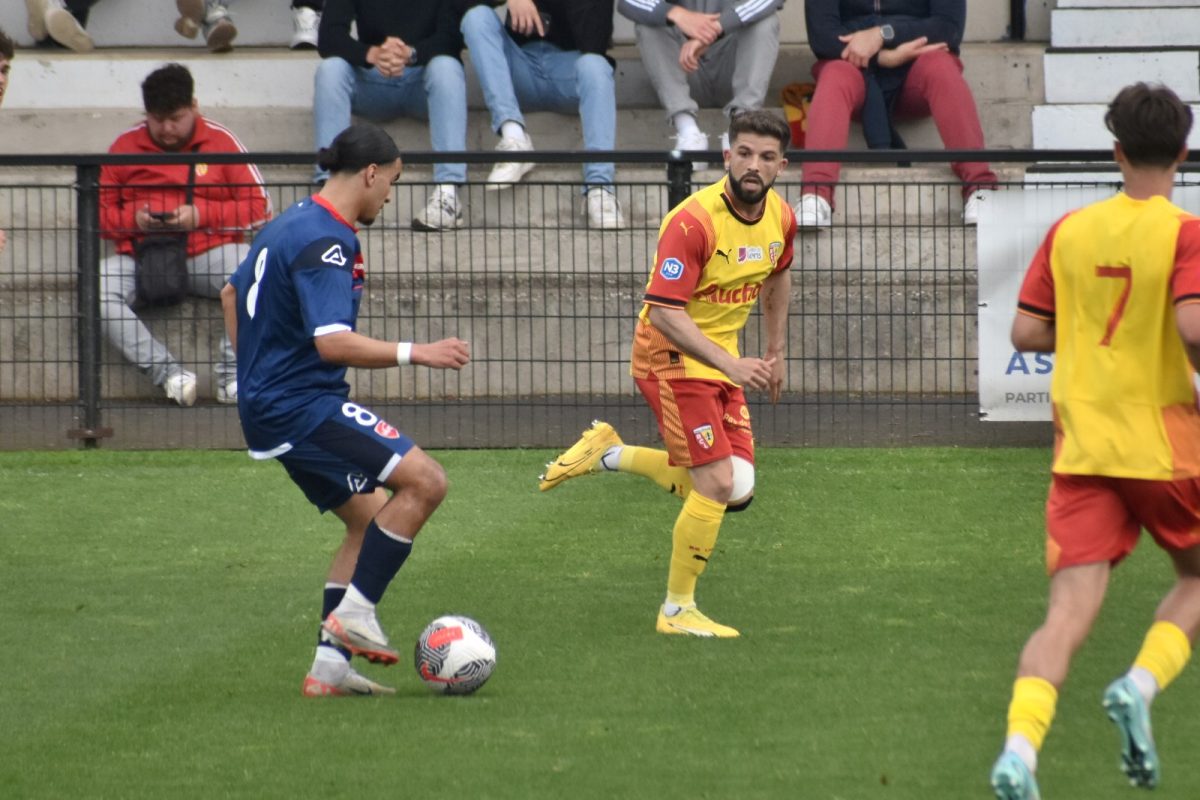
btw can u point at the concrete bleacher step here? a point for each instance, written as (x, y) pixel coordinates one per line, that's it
(61, 102)
(1092, 76)
(1081, 126)
(1157, 25)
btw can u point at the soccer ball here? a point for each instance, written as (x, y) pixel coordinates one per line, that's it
(454, 655)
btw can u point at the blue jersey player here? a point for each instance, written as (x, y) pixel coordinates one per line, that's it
(290, 309)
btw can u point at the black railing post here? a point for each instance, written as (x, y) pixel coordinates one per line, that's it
(679, 181)
(87, 254)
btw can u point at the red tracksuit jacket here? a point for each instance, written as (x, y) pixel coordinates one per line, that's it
(230, 198)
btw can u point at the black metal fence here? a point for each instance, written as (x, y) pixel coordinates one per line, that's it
(881, 342)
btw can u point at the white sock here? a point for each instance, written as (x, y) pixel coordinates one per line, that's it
(329, 664)
(685, 122)
(611, 458)
(354, 601)
(1024, 749)
(511, 129)
(670, 609)
(1145, 682)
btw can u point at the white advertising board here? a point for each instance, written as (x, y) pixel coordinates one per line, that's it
(1015, 387)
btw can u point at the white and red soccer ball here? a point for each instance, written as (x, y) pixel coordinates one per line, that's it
(454, 655)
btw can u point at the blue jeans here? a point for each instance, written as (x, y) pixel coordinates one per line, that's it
(542, 77)
(436, 91)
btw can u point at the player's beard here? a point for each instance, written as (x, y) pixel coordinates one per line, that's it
(749, 196)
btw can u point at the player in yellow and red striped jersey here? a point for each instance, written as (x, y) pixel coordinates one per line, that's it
(1114, 291)
(719, 252)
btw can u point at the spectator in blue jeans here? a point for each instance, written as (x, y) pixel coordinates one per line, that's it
(404, 63)
(549, 56)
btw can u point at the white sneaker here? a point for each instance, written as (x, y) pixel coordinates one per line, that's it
(227, 394)
(219, 30)
(603, 210)
(695, 139)
(306, 22)
(442, 211)
(60, 25)
(813, 211)
(181, 387)
(971, 209)
(505, 174)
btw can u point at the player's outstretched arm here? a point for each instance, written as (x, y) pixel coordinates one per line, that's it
(355, 350)
(449, 353)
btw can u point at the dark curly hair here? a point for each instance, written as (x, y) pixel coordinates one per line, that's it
(1151, 123)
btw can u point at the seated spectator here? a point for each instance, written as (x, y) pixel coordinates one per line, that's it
(141, 199)
(64, 22)
(400, 65)
(883, 67)
(549, 56)
(709, 52)
(6, 56)
(306, 21)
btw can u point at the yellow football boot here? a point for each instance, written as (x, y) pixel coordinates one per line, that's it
(582, 458)
(690, 622)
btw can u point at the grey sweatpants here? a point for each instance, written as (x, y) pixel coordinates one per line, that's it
(207, 272)
(734, 71)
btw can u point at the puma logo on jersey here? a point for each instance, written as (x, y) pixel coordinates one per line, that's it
(335, 256)
(685, 227)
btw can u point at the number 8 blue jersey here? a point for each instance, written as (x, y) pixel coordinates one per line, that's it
(302, 279)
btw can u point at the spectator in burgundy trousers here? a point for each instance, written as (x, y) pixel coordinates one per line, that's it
(881, 61)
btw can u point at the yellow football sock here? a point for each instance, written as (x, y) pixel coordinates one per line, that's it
(1032, 709)
(1165, 652)
(652, 464)
(692, 540)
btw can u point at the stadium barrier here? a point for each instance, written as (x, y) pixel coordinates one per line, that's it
(882, 334)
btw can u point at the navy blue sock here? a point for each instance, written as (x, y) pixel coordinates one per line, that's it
(333, 595)
(378, 562)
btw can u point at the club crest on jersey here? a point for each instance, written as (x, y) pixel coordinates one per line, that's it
(356, 481)
(751, 253)
(704, 436)
(335, 256)
(386, 431)
(773, 250)
(201, 170)
(671, 269)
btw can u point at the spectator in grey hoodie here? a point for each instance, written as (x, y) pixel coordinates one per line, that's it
(710, 52)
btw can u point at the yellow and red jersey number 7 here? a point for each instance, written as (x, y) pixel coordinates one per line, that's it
(1114, 319)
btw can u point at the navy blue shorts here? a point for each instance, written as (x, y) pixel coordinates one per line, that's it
(352, 452)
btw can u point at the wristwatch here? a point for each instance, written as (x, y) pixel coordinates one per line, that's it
(887, 32)
(412, 56)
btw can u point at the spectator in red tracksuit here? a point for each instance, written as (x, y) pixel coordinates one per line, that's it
(878, 61)
(141, 199)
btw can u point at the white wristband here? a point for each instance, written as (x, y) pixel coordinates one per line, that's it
(403, 353)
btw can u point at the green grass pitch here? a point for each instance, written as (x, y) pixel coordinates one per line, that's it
(159, 613)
